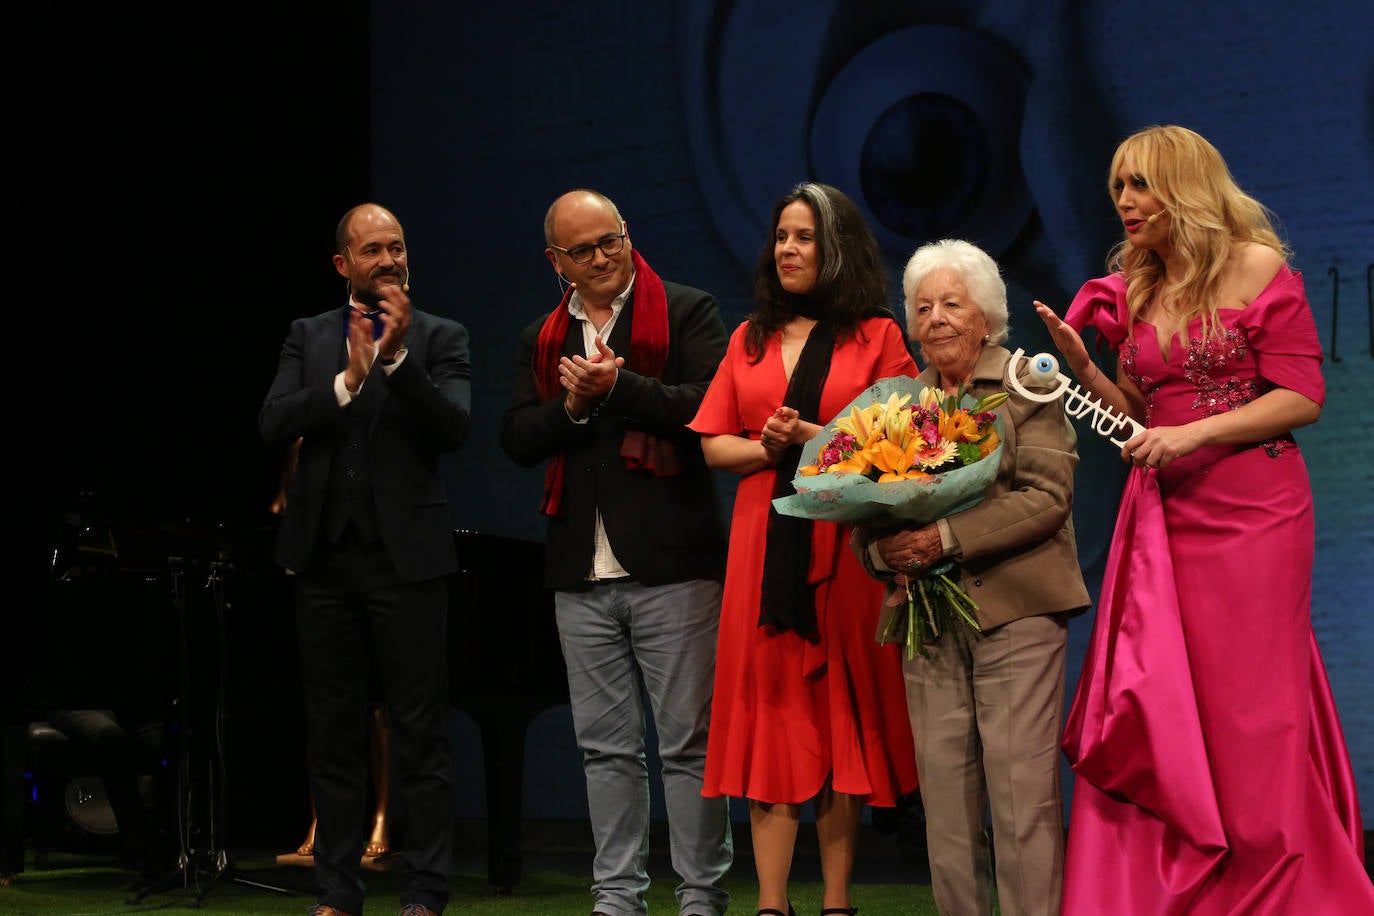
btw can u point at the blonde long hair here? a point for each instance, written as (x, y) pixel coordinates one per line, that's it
(1210, 216)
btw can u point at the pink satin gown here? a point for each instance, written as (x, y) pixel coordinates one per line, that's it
(1212, 774)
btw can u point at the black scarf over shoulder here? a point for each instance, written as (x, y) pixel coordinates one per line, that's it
(789, 599)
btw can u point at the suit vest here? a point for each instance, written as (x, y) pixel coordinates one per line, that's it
(348, 495)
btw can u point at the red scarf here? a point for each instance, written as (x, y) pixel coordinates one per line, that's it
(648, 353)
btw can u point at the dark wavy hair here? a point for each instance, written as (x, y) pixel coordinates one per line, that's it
(851, 275)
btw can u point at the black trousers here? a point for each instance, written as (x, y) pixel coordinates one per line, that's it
(348, 604)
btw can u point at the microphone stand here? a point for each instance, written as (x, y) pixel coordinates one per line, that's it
(221, 863)
(215, 861)
(181, 874)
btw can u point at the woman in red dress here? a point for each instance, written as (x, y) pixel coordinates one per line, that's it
(808, 706)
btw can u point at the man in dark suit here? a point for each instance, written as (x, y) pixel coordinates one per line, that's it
(377, 391)
(604, 387)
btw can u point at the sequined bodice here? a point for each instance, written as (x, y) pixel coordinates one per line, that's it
(1201, 378)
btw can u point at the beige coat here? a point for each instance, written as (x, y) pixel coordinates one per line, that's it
(1015, 550)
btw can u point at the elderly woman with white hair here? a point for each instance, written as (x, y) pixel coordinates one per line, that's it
(986, 706)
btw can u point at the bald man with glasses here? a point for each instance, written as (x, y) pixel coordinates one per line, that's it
(604, 387)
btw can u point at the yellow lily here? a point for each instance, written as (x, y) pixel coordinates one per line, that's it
(857, 463)
(896, 419)
(861, 421)
(898, 459)
(990, 402)
(891, 458)
(850, 424)
(958, 427)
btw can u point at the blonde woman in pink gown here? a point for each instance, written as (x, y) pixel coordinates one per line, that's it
(1212, 776)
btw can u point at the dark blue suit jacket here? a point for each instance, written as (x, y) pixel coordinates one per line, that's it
(421, 411)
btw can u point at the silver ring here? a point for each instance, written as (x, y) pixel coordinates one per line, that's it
(913, 563)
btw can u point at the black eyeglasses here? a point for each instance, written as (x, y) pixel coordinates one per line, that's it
(610, 246)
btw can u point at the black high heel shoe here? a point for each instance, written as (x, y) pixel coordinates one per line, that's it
(840, 911)
(769, 911)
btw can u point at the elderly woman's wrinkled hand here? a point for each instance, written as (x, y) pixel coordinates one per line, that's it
(912, 549)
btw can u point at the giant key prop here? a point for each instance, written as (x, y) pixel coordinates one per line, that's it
(1044, 370)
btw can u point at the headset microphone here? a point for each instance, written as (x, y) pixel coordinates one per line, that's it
(1154, 216)
(405, 284)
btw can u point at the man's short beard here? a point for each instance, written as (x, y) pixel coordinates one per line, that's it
(371, 296)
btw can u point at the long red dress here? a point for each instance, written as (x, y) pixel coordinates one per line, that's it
(787, 714)
(1212, 775)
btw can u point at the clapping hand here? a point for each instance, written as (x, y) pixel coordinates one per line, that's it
(589, 379)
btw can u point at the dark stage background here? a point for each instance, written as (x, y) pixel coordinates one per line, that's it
(180, 174)
(180, 196)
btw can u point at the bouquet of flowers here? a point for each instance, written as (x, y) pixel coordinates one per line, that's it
(904, 452)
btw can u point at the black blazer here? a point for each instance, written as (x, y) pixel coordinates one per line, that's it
(662, 529)
(422, 412)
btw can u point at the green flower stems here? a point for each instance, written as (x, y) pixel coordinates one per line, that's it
(942, 604)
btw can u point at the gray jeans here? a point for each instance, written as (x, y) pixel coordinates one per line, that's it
(620, 641)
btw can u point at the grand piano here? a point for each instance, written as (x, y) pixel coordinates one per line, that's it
(505, 667)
